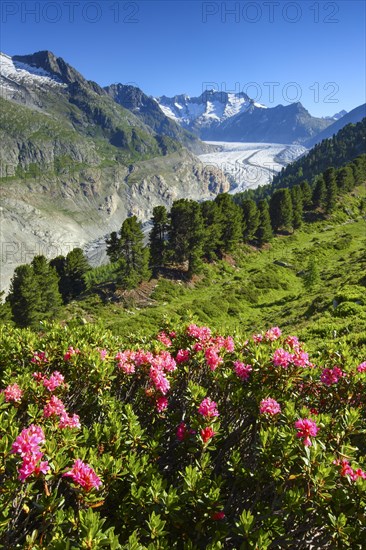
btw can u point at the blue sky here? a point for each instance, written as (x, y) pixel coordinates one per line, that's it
(276, 51)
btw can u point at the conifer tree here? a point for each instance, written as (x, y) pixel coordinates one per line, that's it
(264, 232)
(113, 247)
(250, 219)
(134, 259)
(331, 189)
(306, 195)
(25, 297)
(345, 179)
(186, 234)
(212, 220)
(76, 265)
(297, 206)
(158, 236)
(47, 279)
(280, 209)
(232, 219)
(319, 193)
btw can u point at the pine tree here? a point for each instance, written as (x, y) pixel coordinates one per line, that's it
(306, 195)
(264, 232)
(331, 189)
(319, 193)
(59, 264)
(186, 234)
(47, 280)
(345, 179)
(212, 220)
(297, 206)
(134, 261)
(113, 247)
(232, 219)
(76, 266)
(250, 219)
(158, 236)
(25, 297)
(280, 209)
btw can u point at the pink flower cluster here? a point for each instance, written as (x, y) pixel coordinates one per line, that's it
(213, 359)
(208, 408)
(39, 358)
(362, 367)
(84, 475)
(55, 407)
(242, 370)
(27, 445)
(183, 355)
(161, 404)
(70, 353)
(103, 353)
(283, 358)
(164, 339)
(273, 334)
(13, 393)
(257, 338)
(306, 428)
(269, 406)
(331, 376)
(347, 470)
(200, 333)
(54, 381)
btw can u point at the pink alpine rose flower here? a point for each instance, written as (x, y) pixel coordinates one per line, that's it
(164, 339)
(84, 475)
(161, 404)
(56, 379)
(243, 371)
(269, 406)
(306, 428)
(70, 353)
(212, 358)
(273, 334)
(13, 393)
(331, 376)
(183, 356)
(67, 421)
(362, 367)
(257, 338)
(281, 358)
(208, 408)
(28, 441)
(39, 358)
(54, 407)
(32, 464)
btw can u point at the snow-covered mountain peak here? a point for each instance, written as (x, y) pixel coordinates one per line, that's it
(14, 73)
(210, 108)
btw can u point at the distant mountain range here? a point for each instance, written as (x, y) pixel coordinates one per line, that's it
(222, 116)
